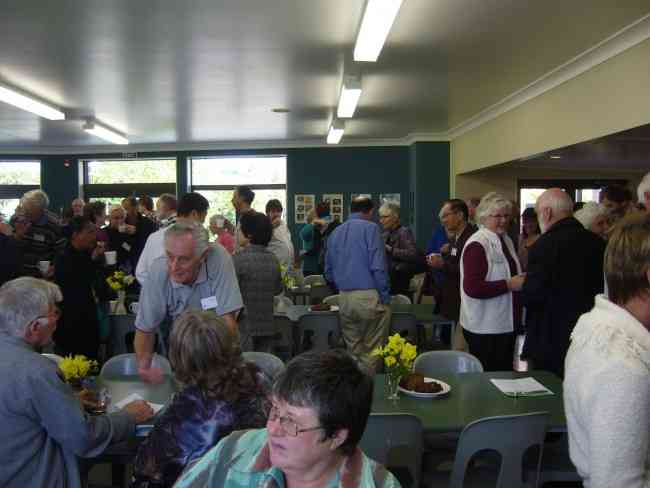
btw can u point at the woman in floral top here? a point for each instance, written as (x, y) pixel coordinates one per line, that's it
(221, 394)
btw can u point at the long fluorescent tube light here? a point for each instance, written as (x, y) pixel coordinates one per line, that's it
(350, 93)
(335, 132)
(25, 102)
(105, 133)
(377, 20)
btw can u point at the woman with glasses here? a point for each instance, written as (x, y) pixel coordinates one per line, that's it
(490, 276)
(320, 407)
(221, 393)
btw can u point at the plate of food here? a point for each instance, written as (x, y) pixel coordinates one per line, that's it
(419, 386)
(323, 307)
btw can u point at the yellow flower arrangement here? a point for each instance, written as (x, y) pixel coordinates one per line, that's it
(119, 280)
(77, 368)
(287, 279)
(398, 355)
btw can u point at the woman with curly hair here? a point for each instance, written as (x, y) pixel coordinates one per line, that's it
(221, 393)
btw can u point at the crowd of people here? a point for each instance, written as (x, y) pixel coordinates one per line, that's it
(203, 303)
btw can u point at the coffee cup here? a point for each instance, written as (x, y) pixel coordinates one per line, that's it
(134, 308)
(122, 228)
(44, 267)
(111, 257)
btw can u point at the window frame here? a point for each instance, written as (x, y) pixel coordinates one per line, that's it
(12, 192)
(122, 190)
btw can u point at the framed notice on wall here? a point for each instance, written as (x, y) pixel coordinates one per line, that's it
(389, 198)
(303, 204)
(335, 201)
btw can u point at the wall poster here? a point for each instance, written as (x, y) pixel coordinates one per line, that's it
(335, 201)
(303, 204)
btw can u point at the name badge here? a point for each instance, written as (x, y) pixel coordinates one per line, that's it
(39, 237)
(209, 303)
(126, 246)
(454, 251)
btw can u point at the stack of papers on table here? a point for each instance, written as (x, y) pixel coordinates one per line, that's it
(133, 397)
(521, 387)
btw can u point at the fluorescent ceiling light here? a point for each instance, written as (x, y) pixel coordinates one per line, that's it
(30, 104)
(105, 133)
(350, 93)
(555, 156)
(336, 132)
(377, 20)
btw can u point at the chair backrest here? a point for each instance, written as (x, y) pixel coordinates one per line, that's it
(331, 300)
(406, 325)
(397, 432)
(314, 280)
(400, 300)
(267, 362)
(323, 328)
(521, 433)
(53, 357)
(126, 365)
(281, 303)
(431, 363)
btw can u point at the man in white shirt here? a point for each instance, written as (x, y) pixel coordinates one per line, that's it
(192, 207)
(280, 244)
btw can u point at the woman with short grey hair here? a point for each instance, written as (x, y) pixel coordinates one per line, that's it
(404, 259)
(490, 279)
(594, 217)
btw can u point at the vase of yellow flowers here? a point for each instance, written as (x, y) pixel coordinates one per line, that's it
(288, 280)
(119, 281)
(76, 368)
(398, 356)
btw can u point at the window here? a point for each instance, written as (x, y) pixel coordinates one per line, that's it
(112, 180)
(216, 177)
(16, 178)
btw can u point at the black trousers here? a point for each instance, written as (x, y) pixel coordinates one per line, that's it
(495, 351)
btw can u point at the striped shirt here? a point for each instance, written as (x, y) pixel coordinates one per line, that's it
(43, 241)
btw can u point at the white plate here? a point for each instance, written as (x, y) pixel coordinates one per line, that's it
(445, 389)
(333, 308)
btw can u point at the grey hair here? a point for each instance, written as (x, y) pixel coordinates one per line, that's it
(391, 208)
(588, 213)
(491, 202)
(37, 197)
(22, 301)
(215, 217)
(644, 187)
(198, 233)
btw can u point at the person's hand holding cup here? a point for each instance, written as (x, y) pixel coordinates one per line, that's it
(434, 260)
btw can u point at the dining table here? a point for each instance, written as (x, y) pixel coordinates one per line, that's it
(472, 397)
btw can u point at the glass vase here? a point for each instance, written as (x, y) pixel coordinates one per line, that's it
(120, 308)
(392, 385)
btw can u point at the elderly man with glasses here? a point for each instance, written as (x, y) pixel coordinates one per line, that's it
(320, 406)
(42, 423)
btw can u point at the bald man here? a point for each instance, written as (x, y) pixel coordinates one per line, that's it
(565, 273)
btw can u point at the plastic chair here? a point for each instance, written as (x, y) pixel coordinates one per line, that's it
(284, 344)
(432, 363)
(281, 303)
(406, 325)
(126, 365)
(331, 300)
(314, 280)
(400, 300)
(395, 440)
(511, 436)
(556, 463)
(52, 357)
(323, 331)
(270, 364)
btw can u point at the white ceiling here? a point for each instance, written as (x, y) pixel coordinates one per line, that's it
(208, 71)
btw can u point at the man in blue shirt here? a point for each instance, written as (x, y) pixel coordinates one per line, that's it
(356, 263)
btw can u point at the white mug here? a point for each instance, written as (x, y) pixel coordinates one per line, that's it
(43, 267)
(111, 257)
(134, 308)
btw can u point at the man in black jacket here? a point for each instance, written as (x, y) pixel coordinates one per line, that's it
(565, 273)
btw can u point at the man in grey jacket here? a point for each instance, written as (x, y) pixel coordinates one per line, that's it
(42, 423)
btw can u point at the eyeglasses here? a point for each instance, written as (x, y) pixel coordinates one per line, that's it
(288, 425)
